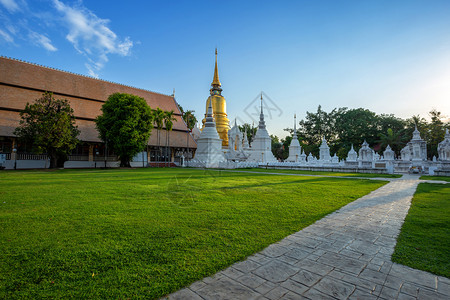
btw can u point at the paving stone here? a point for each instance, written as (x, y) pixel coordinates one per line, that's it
(443, 287)
(246, 266)
(431, 295)
(414, 276)
(386, 267)
(297, 254)
(292, 296)
(226, 288)
(314, 267)
(393, 282)
(316, 295)
(232, 273)
(274, 250)
(307, 278)
(372, 275)
(276, 293)
(362, 295)
(334, 288)
(350, 253)
(288, 260)
(407, 288)
(260, 259)
(361, 283)
(294, 286)
(336, 273)
(265, 287)
(342, 262)
(388, 293)
(197, 285)
(402, 296)
(250, 280)
(184, 294)
(276, 271)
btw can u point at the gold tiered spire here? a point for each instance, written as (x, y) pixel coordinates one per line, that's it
(216, 81)
(219, 106)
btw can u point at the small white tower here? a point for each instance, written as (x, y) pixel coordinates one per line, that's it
(294, 147)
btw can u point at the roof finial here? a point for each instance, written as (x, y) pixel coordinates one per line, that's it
(173, 92)
(261, 104)
(216, 81)
(295, 124)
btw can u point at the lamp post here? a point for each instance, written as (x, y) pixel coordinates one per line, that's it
(15, 158)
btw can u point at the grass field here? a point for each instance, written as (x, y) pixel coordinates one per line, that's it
(337, 174)
(443, 178)
(144, 233)
(424, 241)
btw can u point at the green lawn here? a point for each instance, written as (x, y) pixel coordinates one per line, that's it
(424, 242)
(338, 174)
(442, 178)
(144, 233)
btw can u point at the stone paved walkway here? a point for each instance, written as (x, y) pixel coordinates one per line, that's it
(346, 255)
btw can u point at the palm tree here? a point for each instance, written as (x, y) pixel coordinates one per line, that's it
(158, 116)
(168, 122)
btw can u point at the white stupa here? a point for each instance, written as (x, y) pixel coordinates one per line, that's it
(209, 145)
(324, 151)
(444, 147)
(294, 147)
(352, 156)
(261, 148)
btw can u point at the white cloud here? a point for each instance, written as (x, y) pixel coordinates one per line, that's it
(6, 36)
(10, 5)
(41, 40)
(91, 36)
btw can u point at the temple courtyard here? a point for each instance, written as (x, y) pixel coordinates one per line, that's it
(215, 234)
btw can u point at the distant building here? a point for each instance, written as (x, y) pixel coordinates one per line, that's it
(22, 82)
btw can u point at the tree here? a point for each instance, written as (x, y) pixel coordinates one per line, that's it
(168, 122)
(436, 133)
(49, 126)
(188, 117)
(126, 123)
(249, 130)
(277, 147)
(158, 118)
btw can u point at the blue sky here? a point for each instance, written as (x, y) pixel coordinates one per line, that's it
(387, 56)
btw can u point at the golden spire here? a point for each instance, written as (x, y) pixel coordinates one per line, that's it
(216, 81)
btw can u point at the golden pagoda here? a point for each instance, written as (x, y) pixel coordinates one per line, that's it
(219, 106)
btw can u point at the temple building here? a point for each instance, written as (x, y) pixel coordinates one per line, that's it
(22, 82)
(219, 106)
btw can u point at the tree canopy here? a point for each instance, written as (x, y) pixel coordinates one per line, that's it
(125, 125)
(188, 117)
(48, 125)
(343, 127)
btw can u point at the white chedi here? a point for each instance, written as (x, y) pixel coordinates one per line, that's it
(416, 149)
(209, 145)
(235, 144)
(294, 147)
(261, 148)
(388, 154)
(444, 147)
(352, 156)
(324, 151)
(366, 154)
